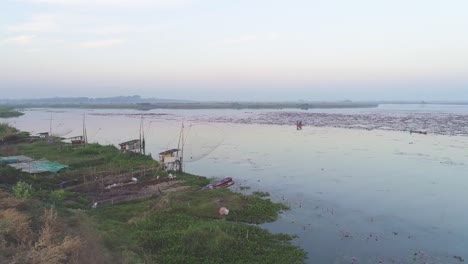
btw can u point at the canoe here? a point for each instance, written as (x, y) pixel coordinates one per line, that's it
(226, 182)
(225, 185)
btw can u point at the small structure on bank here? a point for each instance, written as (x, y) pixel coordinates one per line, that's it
(170, 160)
(131, 146)
(43, 134)
(136, 145)
(83, 139)
(78, 140)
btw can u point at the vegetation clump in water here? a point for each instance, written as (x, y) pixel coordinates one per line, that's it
(6, 112)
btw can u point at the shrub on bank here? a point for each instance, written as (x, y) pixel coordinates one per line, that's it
(23, 190)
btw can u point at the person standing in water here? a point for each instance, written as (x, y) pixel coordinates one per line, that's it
(299, 125)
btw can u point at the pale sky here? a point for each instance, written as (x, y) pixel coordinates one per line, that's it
(235, 50)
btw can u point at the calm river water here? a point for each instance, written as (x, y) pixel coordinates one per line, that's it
(355, 195)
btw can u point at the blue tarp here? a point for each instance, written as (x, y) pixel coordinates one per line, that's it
(8, 160)
(14, 159)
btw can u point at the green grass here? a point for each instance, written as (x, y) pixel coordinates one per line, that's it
(11, 134)
(243, 208)
(81, 160)
(192, 180)
(114, 226)
(9, 175)
(84, 157)
(261, 194)
(180, 238)
(6, 130)
(187, 229)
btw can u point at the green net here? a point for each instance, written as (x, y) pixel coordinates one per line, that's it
(49, 166)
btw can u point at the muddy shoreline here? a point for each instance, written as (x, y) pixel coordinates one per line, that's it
(451, 124)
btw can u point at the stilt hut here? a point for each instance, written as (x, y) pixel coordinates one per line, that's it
(170, 159)
(132, 146)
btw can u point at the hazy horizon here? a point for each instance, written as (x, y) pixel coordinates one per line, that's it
(246, 50)
(458, 93)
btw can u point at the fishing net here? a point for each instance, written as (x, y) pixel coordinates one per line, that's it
(201, 140)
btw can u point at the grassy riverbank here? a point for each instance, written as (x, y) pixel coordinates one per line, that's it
(177, 224)
(6, 130)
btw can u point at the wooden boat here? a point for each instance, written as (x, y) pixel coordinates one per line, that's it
(226, 182)
(226, 185)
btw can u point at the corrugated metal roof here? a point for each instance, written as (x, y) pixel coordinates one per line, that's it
(170, 151)
(129, 142)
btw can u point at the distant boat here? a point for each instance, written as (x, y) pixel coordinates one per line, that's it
(423, 132)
